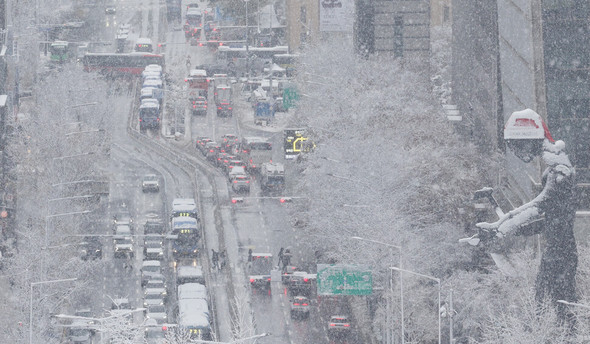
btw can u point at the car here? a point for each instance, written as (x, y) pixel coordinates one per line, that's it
(122, 230)
(236, 171)
(300, 283)
(91, 248)
(233, 163)
(198, 105)
(153, 250)
(120, 304)
(192, 5)
(159, 278)
(202, 142)
(123, 247)
(157, 312)
(221, 159)
(150, 299)
(241, 183)
(153, 226)
(153, 238)
(156, 286)
(122, 216)
(229, 141)
(150, 182)
(300, 307)
(288, 273)
(79, 333)
(224, 164)
(150, 268)
(339, 325)
(110, 10)
(211, 150)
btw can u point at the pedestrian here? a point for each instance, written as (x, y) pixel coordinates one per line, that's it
(280, 257)
(249, 259)
(215, 259)
(222, 259)
(286, 258)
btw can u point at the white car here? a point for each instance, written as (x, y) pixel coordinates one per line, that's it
(155, 286)
(153, 299)
(150, 268)
(150, 181)
(157, 312)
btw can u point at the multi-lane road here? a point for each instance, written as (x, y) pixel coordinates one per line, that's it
(259, 223)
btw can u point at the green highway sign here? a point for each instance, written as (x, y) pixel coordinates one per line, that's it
(344, 279)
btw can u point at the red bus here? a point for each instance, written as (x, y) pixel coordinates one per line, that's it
(124, 64)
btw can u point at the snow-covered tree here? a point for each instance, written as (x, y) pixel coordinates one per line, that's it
(387, 167)
(48, 246)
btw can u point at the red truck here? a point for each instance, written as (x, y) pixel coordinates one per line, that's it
(198, 81)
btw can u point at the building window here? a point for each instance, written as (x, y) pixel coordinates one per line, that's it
(303, 15)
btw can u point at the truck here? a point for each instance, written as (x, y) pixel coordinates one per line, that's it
(198, 82)
(263, 112)
(223, 101)
(173, 9)
(255, 151)
(149, 116)
(259, 270)
(272, 177)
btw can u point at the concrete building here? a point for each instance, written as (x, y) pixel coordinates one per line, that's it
(511, 55)
(400, 28)
(302, 23)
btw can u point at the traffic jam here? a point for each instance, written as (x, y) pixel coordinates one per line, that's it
(194, 243)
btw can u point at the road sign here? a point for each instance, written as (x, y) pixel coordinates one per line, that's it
(290, 97)
(344, 279)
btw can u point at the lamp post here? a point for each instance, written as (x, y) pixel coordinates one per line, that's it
(437, 280)
(401, 285)
(31, 302)
(61, 214)
(247, 44)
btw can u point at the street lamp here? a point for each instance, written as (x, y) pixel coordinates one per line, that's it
(247, 43)
(437, 280)
(401, 286)
(61, 214)
(31, 302)
(234, 341)
(85, 132)
(72, 156)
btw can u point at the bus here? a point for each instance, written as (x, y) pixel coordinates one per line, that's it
(287, 61)
(144, 45)
(235, 57)
(120, 64)
(193, 316)
(194, 17)
(59, 51)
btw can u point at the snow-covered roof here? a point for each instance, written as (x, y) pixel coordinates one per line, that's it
(193, 313)
(192, 291)
(189, 271)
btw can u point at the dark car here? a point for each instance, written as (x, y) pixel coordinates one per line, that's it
(198, 105)
(110, 10)
(202, 142)
(153, 226)
(91, 248)
(300, 307)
